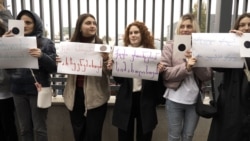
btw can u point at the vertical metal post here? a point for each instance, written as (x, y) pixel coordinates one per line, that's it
(97, 15)
(107, 21)
(87, 6)
(116, 22)
(223, 15)
(42, 10)
(69, 17)
(208, 16)
(32, 7)
(60, 19)
(78, 7)
(181, 8)
(135, 10)
(144, 11)
(51, 20)
(191, 6)
(245, 4)
(236, 9)
(126, 14)
(171, 19)
(23, 4)
(153, 18)
(162, 23)
(199, 11)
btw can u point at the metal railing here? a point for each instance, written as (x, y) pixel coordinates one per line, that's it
(59, 16)
(113, 16)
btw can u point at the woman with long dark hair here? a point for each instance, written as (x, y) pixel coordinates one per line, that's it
(232, 122)
(86, 97)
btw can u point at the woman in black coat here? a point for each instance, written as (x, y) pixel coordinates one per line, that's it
(137, 98)
(232, 122)
(32, 119)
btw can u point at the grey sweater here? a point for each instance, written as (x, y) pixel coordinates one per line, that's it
(5, 15)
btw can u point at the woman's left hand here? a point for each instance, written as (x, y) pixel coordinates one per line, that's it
(8, 34)
(35, 52)
(160, 67)
(105, 56)
(110, 64)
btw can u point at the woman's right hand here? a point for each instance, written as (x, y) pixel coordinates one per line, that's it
(190, 63)
(8, 34)
(237, 32)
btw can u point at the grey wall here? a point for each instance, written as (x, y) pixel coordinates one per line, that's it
(59, 128)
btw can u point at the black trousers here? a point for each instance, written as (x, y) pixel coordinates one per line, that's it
(87, 128)
(135, 115)
(8, 131)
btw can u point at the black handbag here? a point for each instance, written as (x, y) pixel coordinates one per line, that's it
(206, 106)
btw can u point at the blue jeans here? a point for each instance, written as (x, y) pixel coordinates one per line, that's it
(31, 119)
(182, 121)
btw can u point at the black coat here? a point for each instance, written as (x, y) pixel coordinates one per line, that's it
(22, 79)
(151, 93)
(233, 120)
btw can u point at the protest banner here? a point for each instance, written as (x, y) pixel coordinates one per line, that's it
(81, 58)
(14, 52)
(217, 50)
(136, 62)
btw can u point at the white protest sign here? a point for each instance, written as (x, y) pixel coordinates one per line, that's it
(182, 43)
(79, 59)
(217, 50)
(136, 62)
(245, 45)
(16, 26)
(14, 52)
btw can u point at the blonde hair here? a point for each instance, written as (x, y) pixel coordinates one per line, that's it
(191, 17)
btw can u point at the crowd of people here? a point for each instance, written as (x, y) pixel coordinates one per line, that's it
(134, 112)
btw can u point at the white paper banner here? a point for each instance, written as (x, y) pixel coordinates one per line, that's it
(14, 52)
(217, 50)
(136, 62)
(79, 59)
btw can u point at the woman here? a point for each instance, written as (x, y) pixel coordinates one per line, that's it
(182, 89)
(31, 119)
(232, 122)
(86, 96)
(137, 98)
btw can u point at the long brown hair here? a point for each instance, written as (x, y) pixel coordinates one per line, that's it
(77, 35)
(147, 40)
(237, 22)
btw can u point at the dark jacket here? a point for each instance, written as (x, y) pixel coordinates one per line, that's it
(148, 101)
(233, 120)
(22, 80)
(5, 15)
